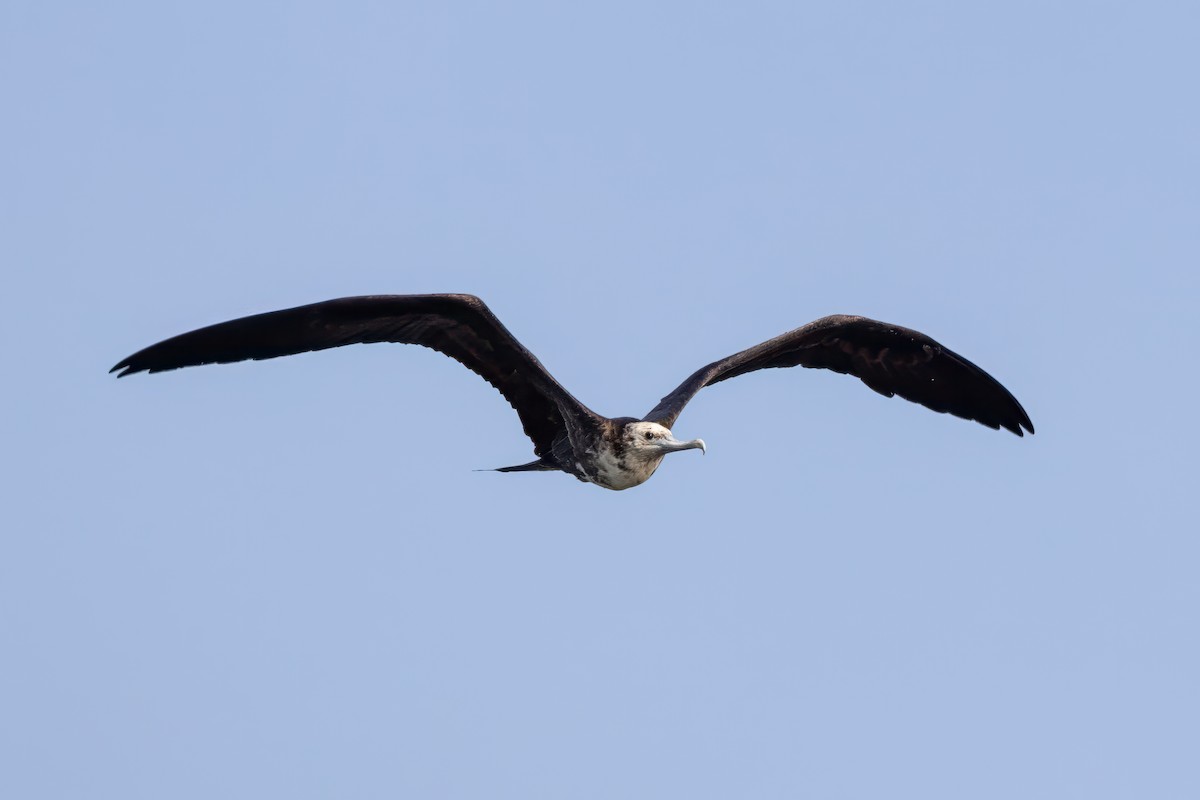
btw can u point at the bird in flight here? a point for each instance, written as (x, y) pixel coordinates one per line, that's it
(616, 453)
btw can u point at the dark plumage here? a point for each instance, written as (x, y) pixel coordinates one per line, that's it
(567, 435)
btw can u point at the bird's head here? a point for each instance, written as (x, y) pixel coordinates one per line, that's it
(650, 441)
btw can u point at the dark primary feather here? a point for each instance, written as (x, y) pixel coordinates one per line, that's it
(890, 359)
(459, 325)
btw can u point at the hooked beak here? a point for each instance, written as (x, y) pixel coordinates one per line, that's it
(673, 445)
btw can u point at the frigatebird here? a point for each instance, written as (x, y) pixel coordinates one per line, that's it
(616, 453)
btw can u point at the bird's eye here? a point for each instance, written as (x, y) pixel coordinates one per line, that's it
(649, 435)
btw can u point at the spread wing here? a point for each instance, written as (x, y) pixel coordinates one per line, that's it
(890, 359)
(459, 325)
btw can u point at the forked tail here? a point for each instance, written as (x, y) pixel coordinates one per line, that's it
(532, 466)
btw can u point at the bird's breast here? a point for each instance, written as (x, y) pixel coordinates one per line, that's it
(605, 466)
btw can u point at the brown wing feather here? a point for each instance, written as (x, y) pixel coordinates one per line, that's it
(461, 326)
(888, 358)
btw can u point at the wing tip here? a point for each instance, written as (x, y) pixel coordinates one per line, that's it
(1020, 426)
(129, 367)
(1022, 420)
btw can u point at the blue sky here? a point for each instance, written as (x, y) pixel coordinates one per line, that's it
(284, 578)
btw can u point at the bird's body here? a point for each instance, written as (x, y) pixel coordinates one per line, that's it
(616, 453)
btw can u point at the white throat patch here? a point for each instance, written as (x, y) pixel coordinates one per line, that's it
(613, 472)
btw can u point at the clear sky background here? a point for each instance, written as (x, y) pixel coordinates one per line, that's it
(283, 579)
